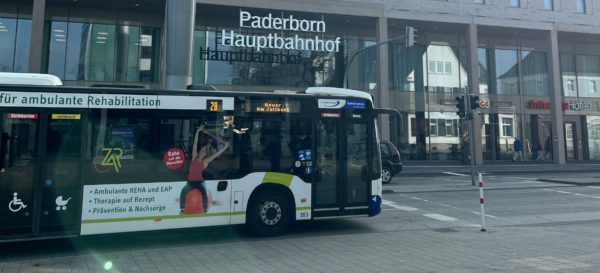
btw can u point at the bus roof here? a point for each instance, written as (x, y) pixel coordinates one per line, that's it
(332, 91)
(29, 79)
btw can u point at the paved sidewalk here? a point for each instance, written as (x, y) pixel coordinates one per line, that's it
(573, 247)
(436, 167)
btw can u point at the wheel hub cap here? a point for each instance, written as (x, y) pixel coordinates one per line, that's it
(270, 212)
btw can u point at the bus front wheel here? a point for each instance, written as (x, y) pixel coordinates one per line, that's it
(269, 213)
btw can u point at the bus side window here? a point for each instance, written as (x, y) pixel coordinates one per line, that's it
(121, 147)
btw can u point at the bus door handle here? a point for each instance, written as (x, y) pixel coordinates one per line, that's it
(222, 186)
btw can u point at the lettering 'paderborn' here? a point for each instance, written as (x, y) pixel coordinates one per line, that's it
(229, 38)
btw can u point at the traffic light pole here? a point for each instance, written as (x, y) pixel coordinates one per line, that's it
(469, 115)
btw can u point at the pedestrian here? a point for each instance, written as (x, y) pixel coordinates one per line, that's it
(518, 146)
(539, 149)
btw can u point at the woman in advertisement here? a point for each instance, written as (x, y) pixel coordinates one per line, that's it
(200, 160)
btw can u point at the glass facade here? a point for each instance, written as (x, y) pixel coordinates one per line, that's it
(104, 53)
(240, 68)
(15, 37)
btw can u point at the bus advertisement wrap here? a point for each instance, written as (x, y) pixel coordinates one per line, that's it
(123, 207)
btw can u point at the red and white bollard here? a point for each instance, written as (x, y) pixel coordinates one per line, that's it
(481, 200)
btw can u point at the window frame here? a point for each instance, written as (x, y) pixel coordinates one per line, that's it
(515, 3)
(549, 2)
(507, 123)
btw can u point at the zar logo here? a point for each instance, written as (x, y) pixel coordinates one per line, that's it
(111, 159)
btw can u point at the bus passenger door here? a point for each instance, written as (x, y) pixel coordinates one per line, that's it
(18, 173)
(341, 179)
(60, 175)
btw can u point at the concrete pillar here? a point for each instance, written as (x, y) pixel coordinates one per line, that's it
(473, 82)
(179, 43)
(558, 146)
(37, 36)
(383, 93)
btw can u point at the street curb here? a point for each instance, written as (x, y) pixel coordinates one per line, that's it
(569, 182)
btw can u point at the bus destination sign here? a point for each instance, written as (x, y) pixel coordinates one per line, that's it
(263, 106)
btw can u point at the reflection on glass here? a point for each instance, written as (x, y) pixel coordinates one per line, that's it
(198, 65)
(78, 44)
(102, 56)
(567, 75)
(128, 49)
(535, 73)
(22, 46)
(367, 66)
(219, 71)
(588, 69)
(407, 67)
(8, 30)
(356, 137)
(326, 163)
(593, 130)
(504, 71)
(58, 47)
(570, 140)
(442, 78)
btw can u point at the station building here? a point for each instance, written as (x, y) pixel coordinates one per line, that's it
(535, 64)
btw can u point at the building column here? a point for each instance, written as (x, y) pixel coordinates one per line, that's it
(37, 36)
(473, 83)
(383, 93)
(558, 135)
(179, 43)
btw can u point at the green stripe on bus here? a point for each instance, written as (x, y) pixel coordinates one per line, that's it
(303, 208)
(160, 217)
(278, 178)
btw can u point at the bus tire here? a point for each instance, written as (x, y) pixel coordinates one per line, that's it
(269, 213)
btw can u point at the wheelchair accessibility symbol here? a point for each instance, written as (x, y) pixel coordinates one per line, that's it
(16, 202)
(61, 204)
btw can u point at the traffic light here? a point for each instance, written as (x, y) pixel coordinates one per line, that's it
(474, 102)
(410, 36)
(460, 106)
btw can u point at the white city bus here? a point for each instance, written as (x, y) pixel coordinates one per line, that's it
(80, 161)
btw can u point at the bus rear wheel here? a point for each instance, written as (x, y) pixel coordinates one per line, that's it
(269, 213)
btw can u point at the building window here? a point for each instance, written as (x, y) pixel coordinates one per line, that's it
(431, 67)
(15, 38)
(570, 85)
(581, 6)
(507, 127)
(479, 1)
(433, 127)
(413, 127)
(439, 68)
(448, 89)
(549, 4)
(515, 3)
(448, 127)
(441, 127)
(592, 86)
(447, 68)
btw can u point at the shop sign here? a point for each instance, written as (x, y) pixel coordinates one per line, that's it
(569, 105)
(273, 40)
(484, 103)
(575, 105)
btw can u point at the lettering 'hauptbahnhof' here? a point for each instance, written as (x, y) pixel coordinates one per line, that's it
(535, 64)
